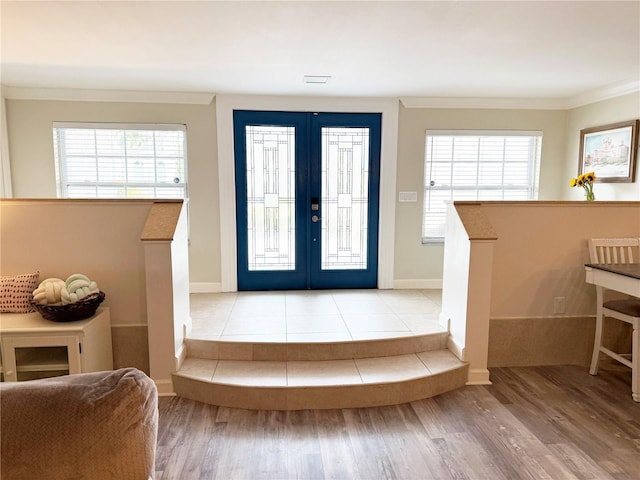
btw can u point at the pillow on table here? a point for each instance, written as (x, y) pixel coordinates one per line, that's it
(16, 291)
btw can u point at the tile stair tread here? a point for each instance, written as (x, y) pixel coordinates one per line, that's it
(322, 337)
(254, 349)
(288, 374)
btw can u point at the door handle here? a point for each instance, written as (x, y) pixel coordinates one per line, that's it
(315, 218)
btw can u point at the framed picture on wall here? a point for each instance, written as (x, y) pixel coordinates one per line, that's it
(610, 151)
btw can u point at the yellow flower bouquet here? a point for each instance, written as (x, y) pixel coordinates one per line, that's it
(586, 181)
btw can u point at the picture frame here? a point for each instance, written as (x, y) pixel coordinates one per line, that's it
(610, 151)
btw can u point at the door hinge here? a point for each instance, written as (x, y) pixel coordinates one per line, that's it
(80, 348)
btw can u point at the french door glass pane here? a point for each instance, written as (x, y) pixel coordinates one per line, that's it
(345, 196)
(271, 197)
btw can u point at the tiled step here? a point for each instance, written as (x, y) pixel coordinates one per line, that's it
(336, 350)
(320, 384)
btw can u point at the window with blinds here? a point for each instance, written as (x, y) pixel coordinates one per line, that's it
(120, 161)
(486, 165)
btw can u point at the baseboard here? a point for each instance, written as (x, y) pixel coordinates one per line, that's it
(478, 376)
(165, 388)
(410, 284)
(205, 287)
(444, 321)
(418, 283)
(535, 341)
(187, 328)
(181, 355)
(455, 348)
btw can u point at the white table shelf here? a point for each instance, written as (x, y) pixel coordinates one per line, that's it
(31, 344)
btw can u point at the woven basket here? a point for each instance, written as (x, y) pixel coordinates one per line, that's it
(80, 310)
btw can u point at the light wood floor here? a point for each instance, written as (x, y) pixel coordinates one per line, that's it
(532, 423)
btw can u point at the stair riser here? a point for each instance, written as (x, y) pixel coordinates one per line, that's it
(279, 352)
(319, 397)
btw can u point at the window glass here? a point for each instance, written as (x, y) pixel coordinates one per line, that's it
(476, 166)
(120, 161)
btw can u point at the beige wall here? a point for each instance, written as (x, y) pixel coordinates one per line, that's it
(30, 142)
(98, 238)
(414, 260)
(614, 110)
(559, 163)
(539, 255)
(541, 251)
(508, 263)
(33, 172)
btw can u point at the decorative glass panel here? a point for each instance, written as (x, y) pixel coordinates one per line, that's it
(345, 197)
(271, 197)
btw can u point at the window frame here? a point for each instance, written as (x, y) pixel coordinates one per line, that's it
(61, 164)
(533, 169)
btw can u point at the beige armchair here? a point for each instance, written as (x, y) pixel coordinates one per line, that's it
(93, 426)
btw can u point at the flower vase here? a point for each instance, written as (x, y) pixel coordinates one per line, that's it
(590, 196)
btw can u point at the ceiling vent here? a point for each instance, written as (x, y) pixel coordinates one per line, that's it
(316, 78)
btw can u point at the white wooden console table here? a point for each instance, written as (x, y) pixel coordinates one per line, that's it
(623, 278)
(33, 347)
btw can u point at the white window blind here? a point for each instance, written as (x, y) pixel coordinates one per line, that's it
(485, 165)
(98, 160)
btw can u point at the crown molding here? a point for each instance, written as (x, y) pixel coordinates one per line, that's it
(202, 98)
(485, 102)
(567, 103)
(80, 95)
(611, 91)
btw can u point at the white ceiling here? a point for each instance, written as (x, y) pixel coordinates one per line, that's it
(479, 49)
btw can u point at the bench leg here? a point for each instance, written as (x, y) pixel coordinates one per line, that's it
(597, 343)
(635, 361)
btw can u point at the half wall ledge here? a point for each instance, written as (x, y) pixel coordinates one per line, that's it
(162, 221)
(466, 285)
(165, 241)
(505, 262)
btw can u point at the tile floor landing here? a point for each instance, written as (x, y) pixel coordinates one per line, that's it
(307, 316)
(295, 350)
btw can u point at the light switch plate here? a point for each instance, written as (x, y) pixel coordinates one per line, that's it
(408, 197)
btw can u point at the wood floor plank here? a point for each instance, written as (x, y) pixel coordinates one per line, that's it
(271, 458)
(338, 458)
(202, 428)
(578, 463)
(404, 434)
(532, 423)
(368, 445)
(304, 454)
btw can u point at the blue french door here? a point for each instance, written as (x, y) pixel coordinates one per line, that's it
(307, 199)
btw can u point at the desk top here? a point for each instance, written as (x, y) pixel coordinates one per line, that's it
(628, 269)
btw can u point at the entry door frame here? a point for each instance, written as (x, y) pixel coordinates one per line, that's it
(226, 104)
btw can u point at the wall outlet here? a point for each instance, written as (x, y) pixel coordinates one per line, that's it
(558, 305)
